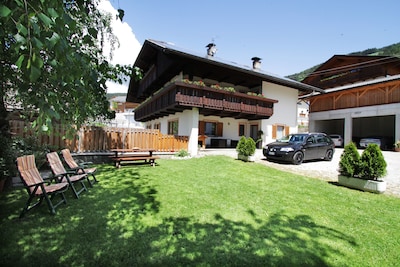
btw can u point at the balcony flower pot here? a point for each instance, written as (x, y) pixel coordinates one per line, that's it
(374, 186)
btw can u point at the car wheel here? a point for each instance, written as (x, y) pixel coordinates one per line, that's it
(298, 158)
(329, 155)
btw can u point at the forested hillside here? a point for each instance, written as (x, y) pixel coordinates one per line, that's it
(391, 50)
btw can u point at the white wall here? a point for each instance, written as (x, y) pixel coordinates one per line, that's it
(285, 111)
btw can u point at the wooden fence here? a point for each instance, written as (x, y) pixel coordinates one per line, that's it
(96, 139)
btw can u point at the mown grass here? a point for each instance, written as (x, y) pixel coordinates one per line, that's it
(210, 211)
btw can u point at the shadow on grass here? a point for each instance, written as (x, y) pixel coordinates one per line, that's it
(117, 223)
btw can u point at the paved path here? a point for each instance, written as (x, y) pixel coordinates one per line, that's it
(326, 170)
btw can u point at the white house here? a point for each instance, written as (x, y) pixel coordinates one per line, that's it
(211, 100)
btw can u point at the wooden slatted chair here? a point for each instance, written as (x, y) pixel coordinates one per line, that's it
(36, 186)
(62, 175)
(79, 169)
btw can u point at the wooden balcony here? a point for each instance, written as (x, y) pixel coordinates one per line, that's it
(179, 96)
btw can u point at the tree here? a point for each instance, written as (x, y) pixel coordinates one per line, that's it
(52, 63)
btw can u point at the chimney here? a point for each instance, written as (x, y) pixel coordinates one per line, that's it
(211, 49)
(256, 63)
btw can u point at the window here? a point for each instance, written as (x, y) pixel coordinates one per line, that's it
(173, 127)
(241, 130)
(210, 129)
(279, 131)
(157, 126)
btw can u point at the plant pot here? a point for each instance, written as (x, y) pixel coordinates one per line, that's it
(251, 158)
(397, 149)
(364, 185)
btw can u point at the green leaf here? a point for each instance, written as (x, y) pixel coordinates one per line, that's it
(19, 61)
(93, 32)
(22, 29)
(19, 38)
(38, 43)
(53, 39)
(53, 63)
(39, 62)
(35, 73)
(45, 19)
(4, 11)
(52, 12)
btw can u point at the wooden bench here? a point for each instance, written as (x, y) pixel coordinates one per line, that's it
(146, 158)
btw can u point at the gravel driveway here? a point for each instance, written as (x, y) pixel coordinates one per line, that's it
(327, 170)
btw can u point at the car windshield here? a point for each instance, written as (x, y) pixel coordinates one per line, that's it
(292, 138)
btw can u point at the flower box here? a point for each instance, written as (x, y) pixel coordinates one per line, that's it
(374, 186)
(251, 158)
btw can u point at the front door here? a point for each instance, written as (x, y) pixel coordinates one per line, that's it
(254, 133)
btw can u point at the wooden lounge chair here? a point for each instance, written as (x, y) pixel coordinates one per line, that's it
(36, 186)
(62, 175)
(79, 169)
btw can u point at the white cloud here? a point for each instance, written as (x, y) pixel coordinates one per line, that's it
(128, 49)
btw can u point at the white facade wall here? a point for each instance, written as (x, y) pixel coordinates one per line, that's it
(285, 111)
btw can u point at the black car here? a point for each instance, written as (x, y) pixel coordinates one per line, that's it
(296, 148)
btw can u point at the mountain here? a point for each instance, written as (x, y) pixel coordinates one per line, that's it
(391, 50)
(111, 95)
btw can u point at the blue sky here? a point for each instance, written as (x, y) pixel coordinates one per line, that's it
(289, 35)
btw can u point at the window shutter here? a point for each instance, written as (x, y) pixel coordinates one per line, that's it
(202, 126)
(220, 125)
(274, 131)
(286, 130)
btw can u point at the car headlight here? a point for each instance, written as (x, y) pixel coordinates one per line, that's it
(287, 149)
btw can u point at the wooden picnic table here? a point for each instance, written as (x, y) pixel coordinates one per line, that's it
(133, 154)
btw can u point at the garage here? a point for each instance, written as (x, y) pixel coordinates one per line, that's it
(335, 126)
(379, 126)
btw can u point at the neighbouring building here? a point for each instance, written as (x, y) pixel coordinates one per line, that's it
(212, 101)
(361, 99)
(124, 113)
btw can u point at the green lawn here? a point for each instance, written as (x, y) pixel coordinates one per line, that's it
(209, 211)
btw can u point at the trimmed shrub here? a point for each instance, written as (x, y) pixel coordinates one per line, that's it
(246, 146)
(373, 164)
(349, 164)
(370, 166)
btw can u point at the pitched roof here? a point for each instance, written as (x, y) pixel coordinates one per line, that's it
(171, 60)
(340, 70)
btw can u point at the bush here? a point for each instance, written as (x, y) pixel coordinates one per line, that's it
(246, 146)
(14, 147)
(373, 164)
(182, 153)
(7, 157)
(370, 166)
(349, 164)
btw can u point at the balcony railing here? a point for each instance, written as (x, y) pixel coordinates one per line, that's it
(179, 96)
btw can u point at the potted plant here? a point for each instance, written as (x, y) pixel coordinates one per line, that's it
(363, 172)
(397, 146)
(246, 148)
